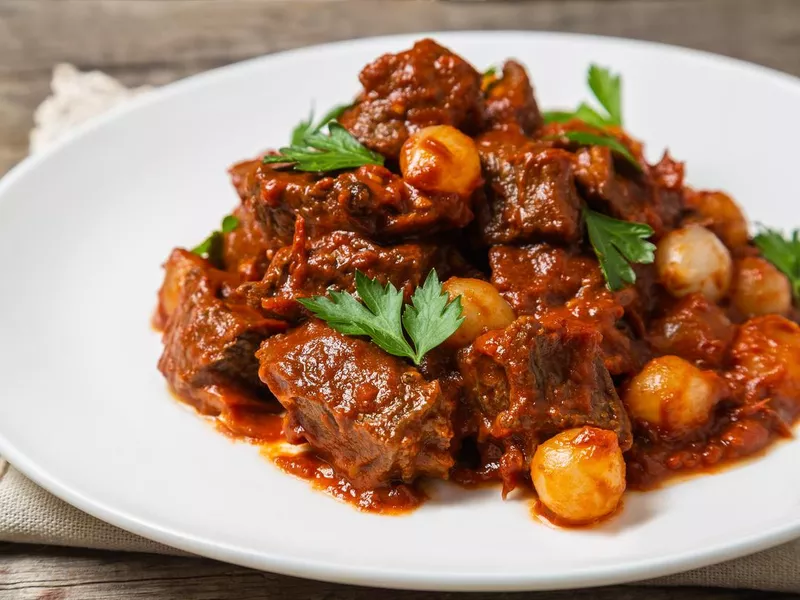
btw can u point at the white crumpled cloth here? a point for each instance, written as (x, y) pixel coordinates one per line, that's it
(29, 514)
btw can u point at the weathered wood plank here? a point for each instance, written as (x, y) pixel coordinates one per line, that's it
(153, 41)
(29, 572)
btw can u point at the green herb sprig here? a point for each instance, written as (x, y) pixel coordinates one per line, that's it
(617, 244)
(211, 247)
(428, 321)
(314, 149)
(783, 252)
(303, 128)
(607, 90)
(585, 138)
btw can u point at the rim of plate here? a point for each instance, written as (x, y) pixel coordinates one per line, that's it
(388, 577)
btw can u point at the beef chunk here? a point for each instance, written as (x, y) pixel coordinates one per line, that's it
(695, 329)
(530, 191)
(654, 196)
(370, 200)
(510, 102)
(529, 382)
(765, 365)
(247, 250)
(310, 268)
(426, 85)
(371, 415)
(209, 343)
(552, 283)
(254, 182)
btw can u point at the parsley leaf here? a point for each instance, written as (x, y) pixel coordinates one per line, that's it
(607, 88)
(586, 138)
(431, 317)
(617, 244)
(301, 129)
(326, 152)
(782, 252)
(429, 320)
(584, 113)
(589, 115)
(557, 116)
(211, 247)
(305, 127)
(229, 223)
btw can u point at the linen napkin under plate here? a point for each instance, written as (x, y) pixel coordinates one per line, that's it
(29, 514)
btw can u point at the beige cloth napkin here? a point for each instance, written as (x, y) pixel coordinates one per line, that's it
(29, 514)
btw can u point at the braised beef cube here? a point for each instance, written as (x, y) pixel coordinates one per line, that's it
(695, 329)
(176, 270)
(404, 92)
(243, 177)
(510, 102)
(260, 187)
(369, 414)
(209, 343)
(530, 191)
(553, 283)
(314, 267)
(654, 196)
(529, 382)
(370, 200)
(247, 249)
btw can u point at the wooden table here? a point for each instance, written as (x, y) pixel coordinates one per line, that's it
(157, 41)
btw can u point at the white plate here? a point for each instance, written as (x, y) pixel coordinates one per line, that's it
(85, 226)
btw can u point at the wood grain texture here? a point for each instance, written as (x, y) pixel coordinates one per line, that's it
(29, 572)
(157, 41)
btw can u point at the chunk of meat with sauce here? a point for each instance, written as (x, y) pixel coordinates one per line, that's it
(552, 283)
(529, 382)
(695, 329)
(369, 414)
(654, 198)
(611, 185)
(530, 191)
(510, 101)
(404, 92)
(247, 250)
(718, 212)
(209, 343)
(252, 181)
(369, 200)
(314, 267)
(765, 365)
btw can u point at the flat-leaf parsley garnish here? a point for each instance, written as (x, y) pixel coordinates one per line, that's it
(305, 127)
(429, 320)
(607, 89)
(586, 138)
(211, 247)
(783, 252)
(320, 151)
(617, 244)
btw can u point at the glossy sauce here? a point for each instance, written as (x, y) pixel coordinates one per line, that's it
(649, 466)
(254, 426)
(249, 423)
(394, 499)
